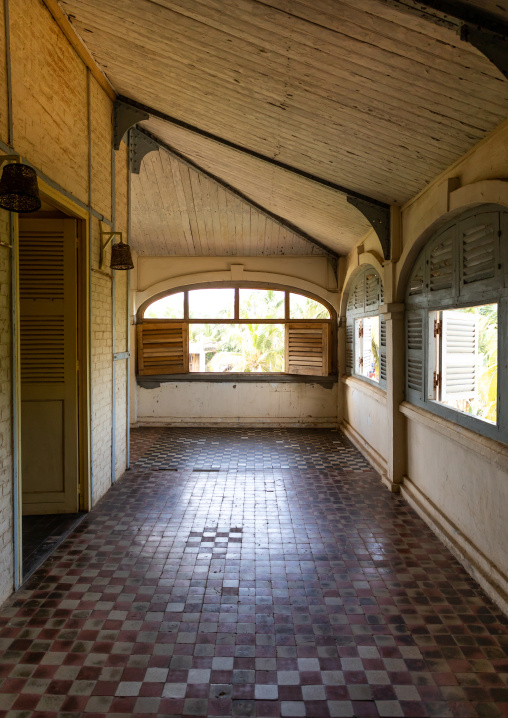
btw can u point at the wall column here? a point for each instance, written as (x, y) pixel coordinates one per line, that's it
(395, 372)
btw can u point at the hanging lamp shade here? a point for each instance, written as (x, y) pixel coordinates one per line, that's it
(19, 191)
(121, 257)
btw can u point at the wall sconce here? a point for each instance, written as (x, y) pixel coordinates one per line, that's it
(19, 191)
(121, 257)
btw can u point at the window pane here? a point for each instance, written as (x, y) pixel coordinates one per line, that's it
(261, 304)
(367, 347)
(301, 307)
(236, 347)
(468, 370)
(212, 304)
(166, 308)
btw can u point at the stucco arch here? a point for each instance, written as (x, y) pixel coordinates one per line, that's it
(477, 194)
(159, 289)
(366, 259)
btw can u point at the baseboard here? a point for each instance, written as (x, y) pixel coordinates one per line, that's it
(240, 422)
(493, 582)
(373, 457)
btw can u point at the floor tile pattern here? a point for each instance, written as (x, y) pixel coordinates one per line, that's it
(41, 534)
(214, 449)
(260, 593)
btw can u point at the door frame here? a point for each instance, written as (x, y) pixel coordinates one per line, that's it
(83, 217)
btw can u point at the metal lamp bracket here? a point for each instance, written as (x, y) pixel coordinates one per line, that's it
(9, 158)
(107, 236)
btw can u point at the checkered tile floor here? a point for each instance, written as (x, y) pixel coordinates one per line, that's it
(215, 449)
(260, 593)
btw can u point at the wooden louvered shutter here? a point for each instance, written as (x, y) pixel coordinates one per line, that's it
(307, 349)
(163, 348)
(372, 294)
(48, 353)
(350, 330)
(441, 262)
(382, 351)
(416, 282)
(459, 355)
(479, 248)
(415, 354)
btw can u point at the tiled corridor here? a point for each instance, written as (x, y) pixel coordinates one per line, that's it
(251, 589)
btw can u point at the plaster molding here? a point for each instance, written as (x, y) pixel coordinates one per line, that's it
(372, 258)
(374, 392)
(478, 193)
(183, 280)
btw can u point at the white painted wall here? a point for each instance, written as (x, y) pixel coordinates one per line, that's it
(365, 419)
(237, 403)
(459, 481)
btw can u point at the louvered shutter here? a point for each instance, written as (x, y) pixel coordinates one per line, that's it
(308, 349)
(415, 354)
(359, 294)
(459, 355)
(367, 347)
(162, 348)
(441, 262)
(479, 244)
(382, 351)
(48, 354)
(350, 329)
(417, 280)
(371, 290)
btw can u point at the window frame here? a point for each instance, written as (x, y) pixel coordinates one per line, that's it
(242, 376)
(460, 295)
(355, 313)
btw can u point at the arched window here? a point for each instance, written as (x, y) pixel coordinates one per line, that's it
(365, 329)
(457, 321)
(236, 329)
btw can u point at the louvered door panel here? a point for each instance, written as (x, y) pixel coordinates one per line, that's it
(479, 238)
(308, 349)
(441, 262)
(460, 355)
(415, 354)
(48, 353)
(162, 348)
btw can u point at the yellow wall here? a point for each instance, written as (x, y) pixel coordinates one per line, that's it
(53, 96)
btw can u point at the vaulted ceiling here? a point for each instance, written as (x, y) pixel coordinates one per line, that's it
(358, 94)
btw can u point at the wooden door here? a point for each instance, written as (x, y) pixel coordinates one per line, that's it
(48, 365)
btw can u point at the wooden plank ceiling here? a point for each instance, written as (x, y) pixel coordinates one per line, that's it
(355, 92)
(177, 210)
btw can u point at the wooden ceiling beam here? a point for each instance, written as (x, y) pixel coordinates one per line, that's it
(252, 203)
(252, 153)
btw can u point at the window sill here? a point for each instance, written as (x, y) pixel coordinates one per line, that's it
(494, 451)
(153, 382)
(366, 387)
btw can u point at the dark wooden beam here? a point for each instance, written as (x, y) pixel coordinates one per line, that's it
(271, 215)
(251, 153)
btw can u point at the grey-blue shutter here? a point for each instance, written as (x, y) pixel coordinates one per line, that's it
(349, 345)
(440, 260)
(479, 248)
(415, 354)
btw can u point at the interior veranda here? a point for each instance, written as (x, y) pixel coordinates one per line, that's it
(254, 329)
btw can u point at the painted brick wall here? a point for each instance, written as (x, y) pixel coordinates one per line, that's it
(50, 118)
(6, 512)
(3, 81)
(49, 97)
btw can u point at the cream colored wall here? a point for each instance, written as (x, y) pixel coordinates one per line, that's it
(237, 403)
(278, 403)
(51, 89)
(460, 487)
(364, 418)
